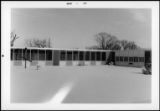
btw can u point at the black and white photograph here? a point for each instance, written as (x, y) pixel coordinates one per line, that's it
(81, 55)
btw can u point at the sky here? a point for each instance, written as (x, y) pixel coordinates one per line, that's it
(76, 28)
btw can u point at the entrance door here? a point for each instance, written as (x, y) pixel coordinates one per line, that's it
(111, 58)
(56, 58)
(147, 57)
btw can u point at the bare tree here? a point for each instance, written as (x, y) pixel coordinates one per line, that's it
(49, 42)
(101, 39)
(124, 44)
(107, 41)
(13, 38)
(38, 43)
(116, 45)
(129, 45)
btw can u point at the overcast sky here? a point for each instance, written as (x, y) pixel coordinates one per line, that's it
(76, 28)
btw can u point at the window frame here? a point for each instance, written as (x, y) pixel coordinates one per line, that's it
(39, 55)
(69, 55)
(28, 54)
(126, 59)
(98, 58)
(141, 59)
(81, 56)
(18, 55)
(50, 55)
(87, 55)
(136, 59)
(75, 55)
(63, 55)
(121, 58)
(93, 58)
(103, 56)
(131, 59)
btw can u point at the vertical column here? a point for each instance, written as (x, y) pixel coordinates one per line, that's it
(45, 55)
(21, 57)
(78, 55)
(90, 56)
(30, 55)
(52, 55)
(13, 54)
(95, 57)
(38, 54)
(25, 57)
(22, 54)
(84, 56)
(66, 55)
(78, 61)
(115, 58)
(101, 58)
(13, 57)
(100, 55)
(106, 57)
(72, 55)
(72, 58)
(144, 57)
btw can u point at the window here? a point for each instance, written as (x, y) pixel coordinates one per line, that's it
(48, 54)
(69, 55)
(141, 59)
(41, 54)
(63, 55)
(81, 55)
(34, 54)
(126, 59)
(117, 58)
(75, 55)
(135, 59)
(87, 55)
(18, 54)
(121, 59)
(130, 59)
(103, 56)
(26, 54)
(93, 55)
(98, 56)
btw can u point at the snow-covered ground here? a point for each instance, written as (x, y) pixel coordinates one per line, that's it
(80, 84)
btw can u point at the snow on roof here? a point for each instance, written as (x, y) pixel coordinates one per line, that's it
(58, 49)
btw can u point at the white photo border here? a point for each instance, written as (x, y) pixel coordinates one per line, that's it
(6, 29)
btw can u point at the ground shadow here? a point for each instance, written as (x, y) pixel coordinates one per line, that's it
(141, 73)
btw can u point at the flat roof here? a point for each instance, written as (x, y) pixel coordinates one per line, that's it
(59, 49)
(75, 49)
